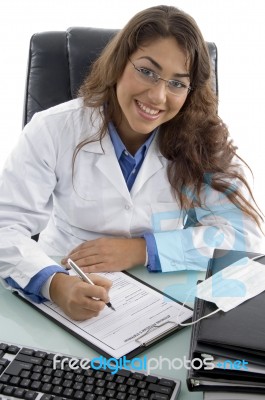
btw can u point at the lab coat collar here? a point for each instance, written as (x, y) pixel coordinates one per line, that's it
(110, 167)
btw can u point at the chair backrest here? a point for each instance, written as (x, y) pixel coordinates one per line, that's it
(59, 60)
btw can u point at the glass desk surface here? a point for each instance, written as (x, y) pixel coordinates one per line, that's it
(21, 324)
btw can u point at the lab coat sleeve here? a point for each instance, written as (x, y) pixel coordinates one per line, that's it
(217, 224)
(26, 187)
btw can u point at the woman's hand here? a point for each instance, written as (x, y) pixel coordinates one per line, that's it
(76, 298)
(108, 254)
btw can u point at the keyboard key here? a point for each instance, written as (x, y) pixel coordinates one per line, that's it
(16, 367)
(122, 388)
(141, 384)
(14, 381)
(159, 389)
(124, 372)
(46, 388)
(12, 349)
(111, 385)
(144, 393)
(4, 362)
(110, 393)
(120, 379)
(28, 359)
(90, 397)
(8, 390)
(159, 396)
(29, 352)
(151, 379)
(138, 376)
(57, 389)
(78, 394)
(4, 378)
(40, 354)
(121, 396)
(19, 392)
(25, 374)
(29, 395)
(25, 383)
(133, 390)
(35, 385)
(68, 392)
(166, 382)
(67, 383)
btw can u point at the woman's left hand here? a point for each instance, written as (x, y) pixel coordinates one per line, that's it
(108, 254)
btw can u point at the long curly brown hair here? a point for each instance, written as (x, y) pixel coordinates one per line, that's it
(196, 141)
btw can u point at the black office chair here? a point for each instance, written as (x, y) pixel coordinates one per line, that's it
(58, 62)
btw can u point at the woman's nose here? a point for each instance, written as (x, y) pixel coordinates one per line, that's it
(158, 93)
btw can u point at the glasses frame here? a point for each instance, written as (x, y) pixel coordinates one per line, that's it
(158, 78)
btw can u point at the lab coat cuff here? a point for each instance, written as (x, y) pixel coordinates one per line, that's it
(170, 250)
(33, 289)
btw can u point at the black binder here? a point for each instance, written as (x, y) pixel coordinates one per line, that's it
(238, 334)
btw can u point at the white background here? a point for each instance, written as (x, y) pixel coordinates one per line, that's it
(236, 26)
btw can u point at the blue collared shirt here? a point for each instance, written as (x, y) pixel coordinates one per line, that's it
(130, 165)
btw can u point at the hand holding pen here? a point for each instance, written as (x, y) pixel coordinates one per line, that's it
(84, 277)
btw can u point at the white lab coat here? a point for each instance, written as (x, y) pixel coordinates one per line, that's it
(37, 194)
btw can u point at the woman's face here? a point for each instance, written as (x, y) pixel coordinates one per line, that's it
(145, 106)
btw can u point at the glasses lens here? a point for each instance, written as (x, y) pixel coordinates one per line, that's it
(146, 76)
(177, 88)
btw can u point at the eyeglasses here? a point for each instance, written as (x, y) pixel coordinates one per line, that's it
(145, 75)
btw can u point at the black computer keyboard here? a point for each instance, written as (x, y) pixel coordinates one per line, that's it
(28, 373)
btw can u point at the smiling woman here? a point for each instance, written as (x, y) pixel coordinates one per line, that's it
(146, 103)
(138, 170)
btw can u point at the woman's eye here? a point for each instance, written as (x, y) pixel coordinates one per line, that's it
(146, 72)
(177, 84)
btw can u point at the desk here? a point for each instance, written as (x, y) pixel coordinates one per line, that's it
(20, 323)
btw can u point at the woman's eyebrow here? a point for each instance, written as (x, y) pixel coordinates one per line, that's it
(158, 66)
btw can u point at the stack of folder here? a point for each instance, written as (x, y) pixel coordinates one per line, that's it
(233, 340)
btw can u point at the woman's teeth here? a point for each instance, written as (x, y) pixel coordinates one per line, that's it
(147, 110)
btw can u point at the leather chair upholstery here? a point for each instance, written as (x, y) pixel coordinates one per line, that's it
(59, 60)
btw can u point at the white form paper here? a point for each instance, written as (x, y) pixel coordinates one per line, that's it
(141, 315)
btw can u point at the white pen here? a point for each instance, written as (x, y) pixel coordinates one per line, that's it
(84, 277)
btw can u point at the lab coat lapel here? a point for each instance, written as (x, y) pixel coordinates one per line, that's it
(108, 164)
(152, 163)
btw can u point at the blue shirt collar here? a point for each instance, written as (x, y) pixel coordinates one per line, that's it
(119, 146)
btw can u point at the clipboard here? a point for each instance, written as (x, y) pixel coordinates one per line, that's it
(141, 339)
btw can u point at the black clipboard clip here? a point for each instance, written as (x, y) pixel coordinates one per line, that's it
(151, 328)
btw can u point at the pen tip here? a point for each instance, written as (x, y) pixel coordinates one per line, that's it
(110, 306)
